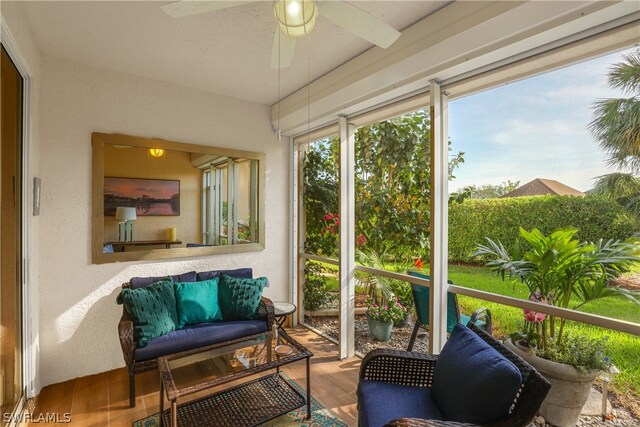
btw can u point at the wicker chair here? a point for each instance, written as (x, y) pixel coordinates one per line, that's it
(417, 369)
(125, 332)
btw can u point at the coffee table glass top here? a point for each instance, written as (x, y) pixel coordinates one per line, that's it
(188, 372)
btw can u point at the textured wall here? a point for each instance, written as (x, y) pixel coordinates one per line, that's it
(78, 322)
(20, 32)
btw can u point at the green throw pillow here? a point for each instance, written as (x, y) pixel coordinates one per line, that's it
(197, 302)
(240, 298)
(152, 309)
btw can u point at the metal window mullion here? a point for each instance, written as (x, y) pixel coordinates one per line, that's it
(293, 231)
(216, 198)
(347, 239)
(301, 151)
(439, 195)
(235, 209)
(253, 201)
(230, 182)
(206, 207)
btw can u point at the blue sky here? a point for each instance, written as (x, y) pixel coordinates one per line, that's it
(534, 128)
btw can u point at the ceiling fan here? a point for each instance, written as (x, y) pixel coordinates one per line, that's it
(296, 18)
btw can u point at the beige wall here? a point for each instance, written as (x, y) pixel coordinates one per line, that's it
(78, 322)
(134, 162)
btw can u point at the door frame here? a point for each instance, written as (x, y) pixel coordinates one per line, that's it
(28, 361)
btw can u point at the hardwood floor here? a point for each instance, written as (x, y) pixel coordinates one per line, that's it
(103, 399)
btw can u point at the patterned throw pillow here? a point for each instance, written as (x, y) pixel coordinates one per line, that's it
(240, 298)
(152, 309)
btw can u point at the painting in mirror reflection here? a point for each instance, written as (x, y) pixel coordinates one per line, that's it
(180, 198)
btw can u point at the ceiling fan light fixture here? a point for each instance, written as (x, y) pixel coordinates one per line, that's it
(296, 17)
(156, 152)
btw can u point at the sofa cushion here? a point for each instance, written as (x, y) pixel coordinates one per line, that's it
(141, 282)
(197, 302)
(152, 309)
(380, 403)
(472, 382)
(239, 298)
(199, 335)
(244, 273)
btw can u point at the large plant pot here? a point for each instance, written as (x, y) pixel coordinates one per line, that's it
(403, 322)
(569, 388)
(379, 330)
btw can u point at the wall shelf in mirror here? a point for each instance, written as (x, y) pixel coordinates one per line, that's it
(192, 200)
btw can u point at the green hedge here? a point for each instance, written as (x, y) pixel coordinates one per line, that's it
(499, 219)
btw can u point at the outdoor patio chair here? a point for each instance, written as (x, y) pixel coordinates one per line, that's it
(475, 380)
(421, 295)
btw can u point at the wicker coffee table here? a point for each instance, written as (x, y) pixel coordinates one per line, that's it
(248, 404)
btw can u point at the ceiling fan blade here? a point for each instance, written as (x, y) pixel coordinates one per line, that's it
(282, 50)
(360, 23)
(179, 9)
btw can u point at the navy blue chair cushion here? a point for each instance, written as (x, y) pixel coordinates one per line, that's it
(472, 382)
(141, 282)
(241, 273)
(198, 335)
(380, 402)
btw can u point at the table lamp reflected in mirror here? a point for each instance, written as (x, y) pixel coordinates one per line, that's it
(125, 216)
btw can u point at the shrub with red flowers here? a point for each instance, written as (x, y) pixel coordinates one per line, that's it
(333, 223)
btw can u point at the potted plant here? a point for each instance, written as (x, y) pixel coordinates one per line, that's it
(561, 271)
(381, 317)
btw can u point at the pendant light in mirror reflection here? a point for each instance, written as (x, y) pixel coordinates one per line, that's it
(156, 152)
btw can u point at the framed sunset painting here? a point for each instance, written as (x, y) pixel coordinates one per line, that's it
(150, 197)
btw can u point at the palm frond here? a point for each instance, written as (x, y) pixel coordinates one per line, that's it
(616, 127)
(626, 75)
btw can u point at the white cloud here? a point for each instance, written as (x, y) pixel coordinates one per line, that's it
(535, 128)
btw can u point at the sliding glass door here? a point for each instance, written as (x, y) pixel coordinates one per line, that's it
(11, 382)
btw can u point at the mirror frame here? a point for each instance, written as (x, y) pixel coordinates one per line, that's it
(98, 141)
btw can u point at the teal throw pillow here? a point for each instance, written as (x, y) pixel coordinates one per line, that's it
(197, 302)
(152, 309)
(240, 298)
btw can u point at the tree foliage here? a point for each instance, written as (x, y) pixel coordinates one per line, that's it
(616, 126)
(487, 191)
(392, 183)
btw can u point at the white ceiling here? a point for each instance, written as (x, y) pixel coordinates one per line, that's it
(226, 52)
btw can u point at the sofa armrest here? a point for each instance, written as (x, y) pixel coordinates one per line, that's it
(398, 367)
(418, 422)
(125, 332)
(266, 312)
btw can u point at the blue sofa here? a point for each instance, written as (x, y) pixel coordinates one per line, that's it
(191, 336)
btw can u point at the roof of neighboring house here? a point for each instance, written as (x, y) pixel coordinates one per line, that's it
(540, 186)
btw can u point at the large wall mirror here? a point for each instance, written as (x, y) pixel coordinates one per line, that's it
(158, 199)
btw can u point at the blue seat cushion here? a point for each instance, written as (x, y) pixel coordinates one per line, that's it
(472, 382)
(141, 282)
(241, 273)
(198, 335)
(380, 402)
